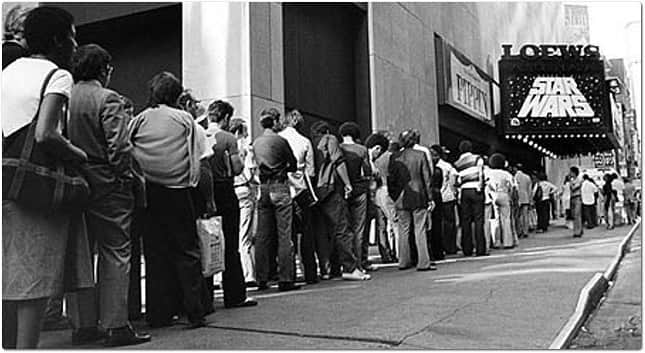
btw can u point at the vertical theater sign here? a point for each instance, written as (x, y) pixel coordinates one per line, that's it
(555, 99)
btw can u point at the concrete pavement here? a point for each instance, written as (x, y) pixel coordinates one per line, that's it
(513, 299)
(617, 323)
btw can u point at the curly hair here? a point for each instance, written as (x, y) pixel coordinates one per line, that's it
(44, 25)
(90, 62)
(350, 129)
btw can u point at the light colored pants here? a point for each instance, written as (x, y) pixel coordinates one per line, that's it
(523, 220)
(502, 231)
(247, 196)
(488, 225)
(417, 219)
(383, 201)
(576, 213)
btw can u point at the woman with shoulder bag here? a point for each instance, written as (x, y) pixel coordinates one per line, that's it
(35, 242)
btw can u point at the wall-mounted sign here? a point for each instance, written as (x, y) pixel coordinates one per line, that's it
(604, 160)
(558, 94)
(468, 90)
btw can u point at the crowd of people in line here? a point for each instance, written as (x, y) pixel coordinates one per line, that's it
(153, 174)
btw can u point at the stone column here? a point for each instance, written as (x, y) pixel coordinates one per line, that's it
(233, 51)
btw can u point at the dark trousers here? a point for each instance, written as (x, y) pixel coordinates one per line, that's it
(322, 233)
(171, 250)
(472, 211)
(134, 290)
(227, 205)
(335, 214)
(436, 234)
(542, 208)
(303, 225)
(588, 216)
(449, 227)
(357, 207)
(275, 217)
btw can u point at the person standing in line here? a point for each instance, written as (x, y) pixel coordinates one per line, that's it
(165, 144)
(436, 186)
(378, 145)
(225, 164)
(471, 184)
(542, 195)
(98, 124)
(333, 188)
(275, 207)
(576, 201)
(618, 185)
(304, 155)
(588, 193)
(409, 185)
(630, 200)
(448, 201)
(43, 255)
(14, 44)
(359, 171)
(610, 195)
(246, 189)
(488, 210)
(500, 186)
(523, 192)
(566, 201)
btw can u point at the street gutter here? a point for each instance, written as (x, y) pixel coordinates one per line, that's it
(591, 295)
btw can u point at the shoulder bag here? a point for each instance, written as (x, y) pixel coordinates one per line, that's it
(36, 179)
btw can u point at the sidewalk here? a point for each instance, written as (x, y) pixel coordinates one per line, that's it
(617, 323)
(513, 299)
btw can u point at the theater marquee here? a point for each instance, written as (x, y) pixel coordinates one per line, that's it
(555, 97)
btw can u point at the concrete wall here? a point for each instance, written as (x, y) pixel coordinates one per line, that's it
(402, 51)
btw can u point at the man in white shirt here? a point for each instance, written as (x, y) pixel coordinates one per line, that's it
(588, 191)
(304, 154)
(448, 203)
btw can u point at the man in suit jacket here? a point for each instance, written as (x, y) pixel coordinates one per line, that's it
(98, 125)
(409, 185)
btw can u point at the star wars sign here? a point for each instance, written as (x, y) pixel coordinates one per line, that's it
(548, 89)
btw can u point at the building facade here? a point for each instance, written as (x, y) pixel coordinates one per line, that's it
(387, 66)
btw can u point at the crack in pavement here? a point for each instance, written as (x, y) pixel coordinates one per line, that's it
(446, 317)
(308, 335)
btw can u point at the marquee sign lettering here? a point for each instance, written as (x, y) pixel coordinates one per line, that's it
(468, 91)
(555, 92)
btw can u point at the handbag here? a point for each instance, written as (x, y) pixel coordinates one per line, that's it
(211, 245)
(306, 197)
(34, 178)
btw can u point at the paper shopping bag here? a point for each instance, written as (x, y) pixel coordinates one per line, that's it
(211, 243)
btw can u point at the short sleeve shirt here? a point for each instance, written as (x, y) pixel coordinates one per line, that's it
(21, 84)
(225, 147)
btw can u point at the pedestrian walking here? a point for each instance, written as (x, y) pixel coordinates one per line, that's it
(98, 124)
(436, 186)
(576, 200)
(275, 207)
(225, 164)
(471, 187)
(166, 147)
(359, 171)
(610, 196)
(43, 255)
(630, 201)
(409, 185)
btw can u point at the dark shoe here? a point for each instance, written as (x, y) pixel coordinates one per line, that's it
(124, 336)
(478, 255)
(370, 268)
(404, 268)
(312, 281)
(159, 324)
(431, 268)
(196, 324)
(287, 286)
(244, 304)
(86, 335)
(251, 284)
(263, 286)
(58, 324)
(577, 235)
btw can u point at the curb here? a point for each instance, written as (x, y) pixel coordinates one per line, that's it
(591, 295)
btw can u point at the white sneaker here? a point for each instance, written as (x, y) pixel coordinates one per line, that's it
(357, 275)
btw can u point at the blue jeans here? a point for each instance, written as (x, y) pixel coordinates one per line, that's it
(275, 214)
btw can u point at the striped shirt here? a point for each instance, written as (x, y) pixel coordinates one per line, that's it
(470, 168)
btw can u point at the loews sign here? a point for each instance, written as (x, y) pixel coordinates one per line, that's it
(468, 91)
(536, 52)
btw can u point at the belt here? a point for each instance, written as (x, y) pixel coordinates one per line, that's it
(273, 181)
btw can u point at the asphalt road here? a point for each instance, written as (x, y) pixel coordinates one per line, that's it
(513, 299)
